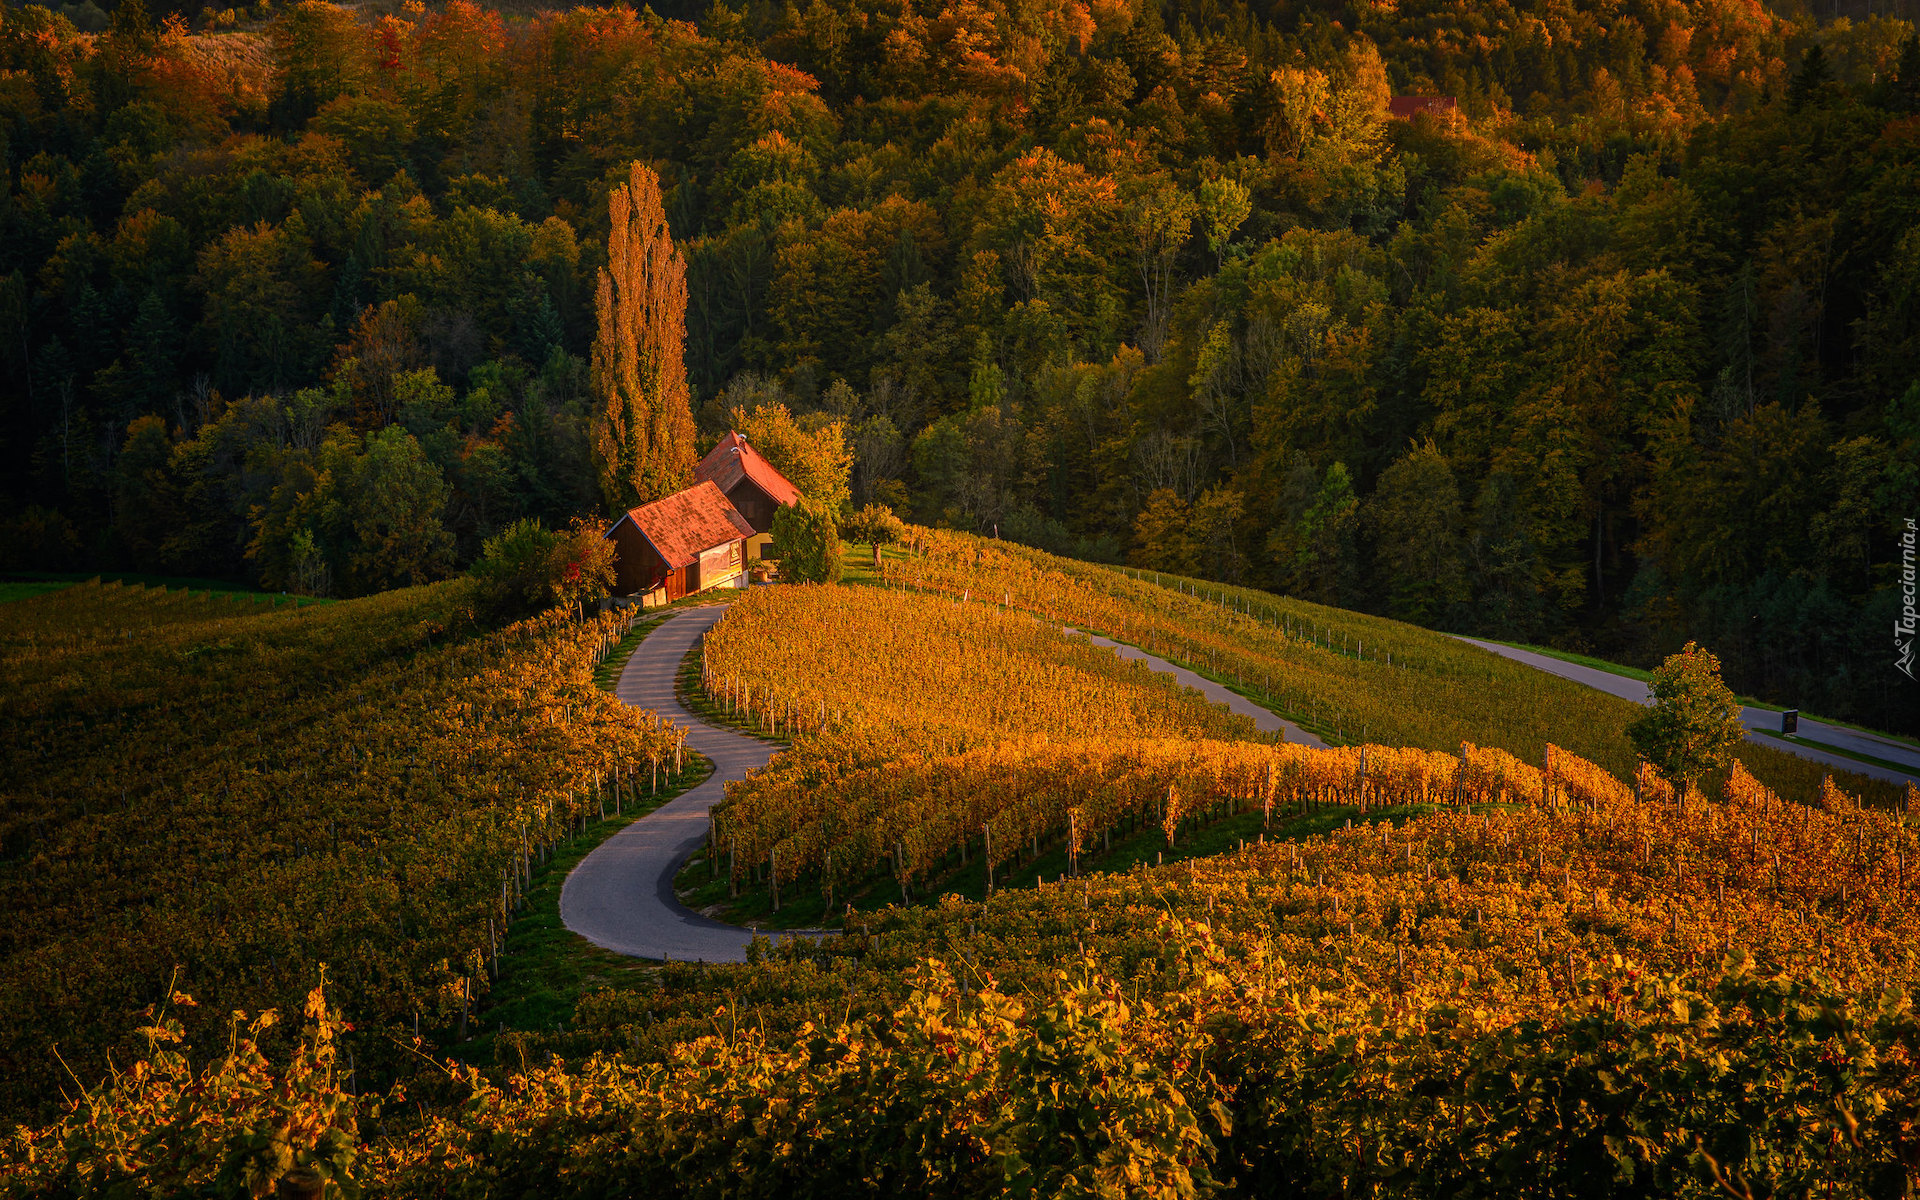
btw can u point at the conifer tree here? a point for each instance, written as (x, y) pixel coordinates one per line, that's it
(1814, 75)
(1907, 75)
(643, 424)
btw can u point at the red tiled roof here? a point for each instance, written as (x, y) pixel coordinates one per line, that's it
(732, 460)
(1405, 107)
(680, 526)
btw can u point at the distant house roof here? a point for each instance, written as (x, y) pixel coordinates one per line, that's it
(733, 460)
(1405, 108)
(680, 526)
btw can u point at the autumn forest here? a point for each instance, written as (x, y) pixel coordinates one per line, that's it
(1588, 323)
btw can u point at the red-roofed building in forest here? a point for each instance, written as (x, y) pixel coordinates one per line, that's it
(685, 543)
(1444, 109)
(750, 483)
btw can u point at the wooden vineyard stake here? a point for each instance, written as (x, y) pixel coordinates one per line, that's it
(987, 831)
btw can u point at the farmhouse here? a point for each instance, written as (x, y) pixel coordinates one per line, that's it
(750, 483)
(687, 542)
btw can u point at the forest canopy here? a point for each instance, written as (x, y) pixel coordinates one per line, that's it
(1568, 321)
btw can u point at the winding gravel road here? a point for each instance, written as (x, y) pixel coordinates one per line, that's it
(621, 898)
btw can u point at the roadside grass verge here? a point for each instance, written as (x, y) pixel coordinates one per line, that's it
(1829, 748)
(10, 590)
(694, 698)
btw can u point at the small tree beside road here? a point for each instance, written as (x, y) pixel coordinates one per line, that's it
(580, 570)
(1694, 723)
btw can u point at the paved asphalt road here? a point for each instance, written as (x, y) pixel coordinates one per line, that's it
(621, 898)
(1753, 718)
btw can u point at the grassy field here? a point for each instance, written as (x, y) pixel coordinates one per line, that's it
(11, 590)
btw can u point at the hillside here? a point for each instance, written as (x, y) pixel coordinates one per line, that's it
(215, 796)
(915, 771)
(1479, 924)
(1340, 672)
(447, 749)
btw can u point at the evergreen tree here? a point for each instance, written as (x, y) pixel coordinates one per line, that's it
(643, 424)
(153, 345)
(544, 332)
(1814, 75)
(1907, 75)
(1416, 520)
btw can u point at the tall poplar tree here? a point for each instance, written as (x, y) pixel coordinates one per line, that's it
(643, 423)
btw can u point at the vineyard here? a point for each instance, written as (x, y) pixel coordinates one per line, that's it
(873, 670)
(868, 683)
(1482, 968)
(1580, 993)
(921, 815)
(937, 728)
(214, 796)
(1512, 906)
(1347, 676)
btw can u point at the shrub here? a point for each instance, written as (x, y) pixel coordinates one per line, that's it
(512, 569)
(809, 542)
(580, 566)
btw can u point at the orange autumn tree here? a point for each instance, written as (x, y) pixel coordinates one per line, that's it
(643, 424)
